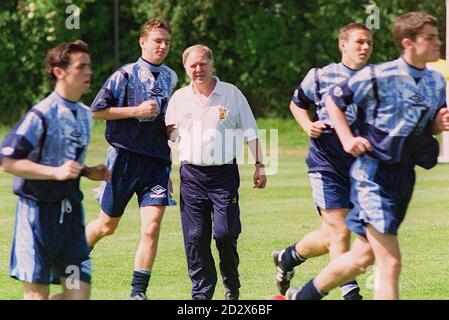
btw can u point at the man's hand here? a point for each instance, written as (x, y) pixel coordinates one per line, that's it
(146, 109)
(315, 129)
(441, 122)
(170, 186)
(259, 178)
(96, 173)
(172, 133)
(357, 146)
(69, 170)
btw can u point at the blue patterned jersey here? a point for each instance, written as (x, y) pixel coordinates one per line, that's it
(52, 132)
(326, 152)
(397, 104)
(313, 89)
(130, 86)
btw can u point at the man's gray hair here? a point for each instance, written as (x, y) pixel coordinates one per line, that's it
(200, 47)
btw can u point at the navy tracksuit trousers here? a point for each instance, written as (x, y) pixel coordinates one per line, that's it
(209, 206)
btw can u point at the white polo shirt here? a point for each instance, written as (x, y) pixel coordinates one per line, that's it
(211, 134)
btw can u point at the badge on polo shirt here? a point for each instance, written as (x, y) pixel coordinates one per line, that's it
(223, 111)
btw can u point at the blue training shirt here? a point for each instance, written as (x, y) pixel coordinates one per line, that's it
(326, 152)
(52, 132)
(397, 103)
(130, 86)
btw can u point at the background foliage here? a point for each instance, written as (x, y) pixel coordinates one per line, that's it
(264, 47)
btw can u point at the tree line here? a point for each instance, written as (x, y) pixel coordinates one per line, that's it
(264, 47)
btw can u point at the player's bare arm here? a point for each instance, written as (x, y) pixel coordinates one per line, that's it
(146, 109)
(31, 170)
(313, 129)
(96, 173)
(355, 146)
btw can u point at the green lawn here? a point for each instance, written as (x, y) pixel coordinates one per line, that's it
(271, 218)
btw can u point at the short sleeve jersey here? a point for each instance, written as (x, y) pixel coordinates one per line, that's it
(313, 89)
(326, 152)
(399, 103)
(130, 86)
(52, 132)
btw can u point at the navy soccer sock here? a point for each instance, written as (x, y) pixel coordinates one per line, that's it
(290, 258)
(140, 281)
(309, 292)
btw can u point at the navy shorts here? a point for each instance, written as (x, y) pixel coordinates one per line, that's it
(380, 193)
(330, 190)
(134, 173)
(49, 242)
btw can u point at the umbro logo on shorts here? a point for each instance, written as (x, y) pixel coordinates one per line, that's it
(158, 189)
(158, 192)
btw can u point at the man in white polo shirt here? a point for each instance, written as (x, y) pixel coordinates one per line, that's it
(211, 119)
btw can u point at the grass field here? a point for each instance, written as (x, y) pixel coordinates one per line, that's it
(271, 218)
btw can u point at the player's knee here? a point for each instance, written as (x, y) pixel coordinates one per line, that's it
(362, 261)
(151, 230)
(327, 242)
(335, 222)
(325, 236)
(362, 265)
(339, 234)
(391, 265)
(108, 228)
(80, 293)
(35, 296)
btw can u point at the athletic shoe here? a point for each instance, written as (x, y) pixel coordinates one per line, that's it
(232, 294)
(139, 296)
(283, 276)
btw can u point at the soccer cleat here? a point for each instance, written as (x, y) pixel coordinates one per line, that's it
(232, 294)
(292, 293)
(139, 296)
(353, 295)
(283, 276)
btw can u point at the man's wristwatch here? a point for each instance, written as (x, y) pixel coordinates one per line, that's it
(86, 171)
(259, 164)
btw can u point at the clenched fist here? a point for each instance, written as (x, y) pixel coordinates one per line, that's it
(69, 170)
(146, 109)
